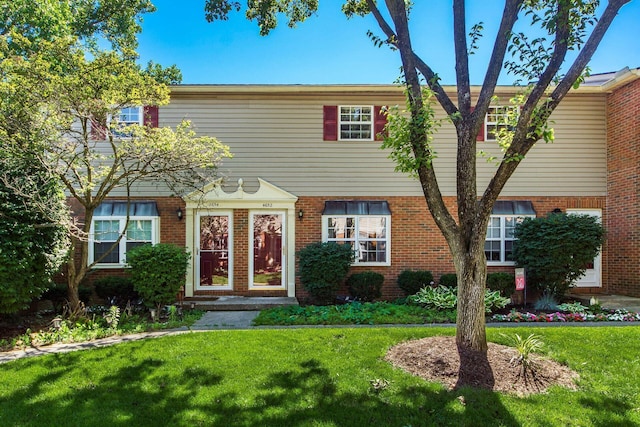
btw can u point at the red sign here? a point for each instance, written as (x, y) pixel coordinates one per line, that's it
(520, 280)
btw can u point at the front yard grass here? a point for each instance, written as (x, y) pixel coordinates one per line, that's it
(310, 377)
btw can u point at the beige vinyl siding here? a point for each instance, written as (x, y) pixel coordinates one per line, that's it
(574, 164)
(278, 137)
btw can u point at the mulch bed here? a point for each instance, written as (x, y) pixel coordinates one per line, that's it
(436, 359)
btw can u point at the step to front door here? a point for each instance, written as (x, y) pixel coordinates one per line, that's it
(236, 303)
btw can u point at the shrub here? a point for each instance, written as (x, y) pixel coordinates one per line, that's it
(449, 280)
(556, 249)
(322, 268)
(441, 297)
(505, 283)
(30, 253)
(365, 286)
(116, 289)
(157, 272)
(444, 298)
(412, 281)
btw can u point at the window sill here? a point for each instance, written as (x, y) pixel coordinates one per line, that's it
(501, 264)
(109, 266)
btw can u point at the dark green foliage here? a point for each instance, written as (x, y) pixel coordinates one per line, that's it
(412, 281)
(57, 294)
(323, 267)
(116, 289)
(158, 272)
(365, 286)
(450, 280)
(556, 249)
(33, 239)
(503, 282)
(376, 313)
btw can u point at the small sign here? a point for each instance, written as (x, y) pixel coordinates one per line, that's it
(520, 280)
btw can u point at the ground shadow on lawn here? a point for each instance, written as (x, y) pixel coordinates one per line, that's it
(142, 393)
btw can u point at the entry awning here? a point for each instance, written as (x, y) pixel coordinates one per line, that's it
(513, 207)
(119, 208)
(356, 207)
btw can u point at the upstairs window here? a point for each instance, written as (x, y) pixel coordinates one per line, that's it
(126, 117)
(356, 123)
(353, 123)
(497, 118)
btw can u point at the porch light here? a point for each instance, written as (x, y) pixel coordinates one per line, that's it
(300, 214)
(179, 214)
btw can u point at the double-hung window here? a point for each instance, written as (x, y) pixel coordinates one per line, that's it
(363, 225)
(356, 123)
(110, 222)
(127, 116)
(498, 118)
(500, 240)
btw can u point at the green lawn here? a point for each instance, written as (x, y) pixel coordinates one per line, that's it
(309, 377)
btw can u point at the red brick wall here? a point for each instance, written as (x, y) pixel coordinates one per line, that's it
(416, 241)
(172, 230)
(623, 203)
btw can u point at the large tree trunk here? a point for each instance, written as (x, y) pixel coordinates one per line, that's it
(471, 269)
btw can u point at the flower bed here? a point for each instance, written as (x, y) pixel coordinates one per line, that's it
(605, 316)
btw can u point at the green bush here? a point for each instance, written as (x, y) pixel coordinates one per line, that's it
(322, 268)
(158, 272)
(556, 249)
(365, 286)
(118, 289)
(412, 281)
(444, 298)
(449, 280)
(505, 283)
(30, 253)
(57, 294)
(440, 297)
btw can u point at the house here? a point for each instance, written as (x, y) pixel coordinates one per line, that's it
(307, 167)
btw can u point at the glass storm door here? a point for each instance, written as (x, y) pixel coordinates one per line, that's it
(267, 260)
(214, 263)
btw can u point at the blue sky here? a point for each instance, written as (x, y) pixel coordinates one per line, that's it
(329, 49)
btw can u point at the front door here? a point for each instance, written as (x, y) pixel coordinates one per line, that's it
(592, 277)
(267, 257)
(215, 247)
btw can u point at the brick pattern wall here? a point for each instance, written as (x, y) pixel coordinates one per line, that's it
(172, 230)
(623, 187)
(416, 241)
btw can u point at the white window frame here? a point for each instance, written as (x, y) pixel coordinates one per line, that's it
(503, 236)
(122, 245)
(500, 111)
(116, 122)
(356, 241)
(370, 122)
